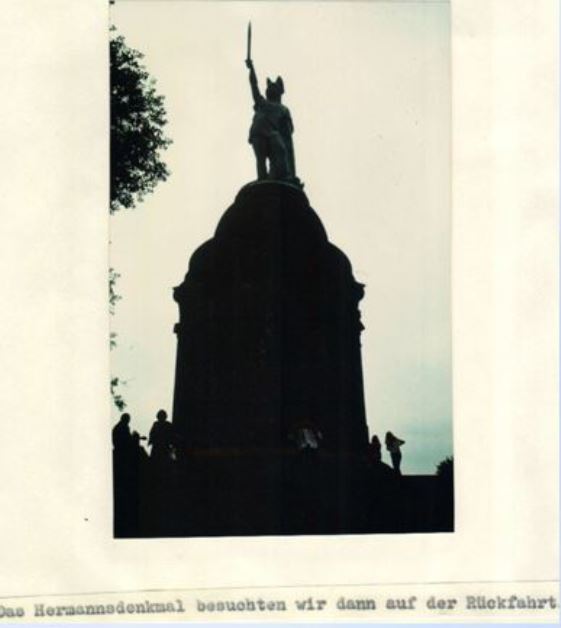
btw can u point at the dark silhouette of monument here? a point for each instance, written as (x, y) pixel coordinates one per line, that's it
(268, 357)
(269, 331)
(269, 325)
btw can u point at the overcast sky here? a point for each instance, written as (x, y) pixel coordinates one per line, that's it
(368, 86)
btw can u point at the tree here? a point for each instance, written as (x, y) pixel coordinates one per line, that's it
(113, 296)
(138, 118)
(445, 469)
(116, 396)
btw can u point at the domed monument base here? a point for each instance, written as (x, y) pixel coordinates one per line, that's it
(269, 420)
(268, 402)
(268, 349)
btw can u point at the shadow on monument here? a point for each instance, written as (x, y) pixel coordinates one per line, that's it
(269, 426)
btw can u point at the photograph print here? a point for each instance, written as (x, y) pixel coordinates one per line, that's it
(280, 268)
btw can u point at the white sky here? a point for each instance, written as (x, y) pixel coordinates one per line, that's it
(368, 86)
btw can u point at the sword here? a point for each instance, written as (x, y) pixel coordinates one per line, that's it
(248, 58)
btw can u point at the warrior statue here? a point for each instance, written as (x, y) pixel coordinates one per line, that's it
(271, 129)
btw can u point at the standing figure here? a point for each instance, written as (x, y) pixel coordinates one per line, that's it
(393, 445)
(161, 438)
(271, 131)
(306, 436)
(375, 450)
(121, 435)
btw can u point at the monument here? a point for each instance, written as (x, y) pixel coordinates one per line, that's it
(269, 331)
(268, 366)
(271, 130)
(268, 433)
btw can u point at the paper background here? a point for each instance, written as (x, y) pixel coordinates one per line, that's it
(55, 528)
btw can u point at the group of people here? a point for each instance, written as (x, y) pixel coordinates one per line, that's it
(393, 445)
(163, 442)
(161, 439)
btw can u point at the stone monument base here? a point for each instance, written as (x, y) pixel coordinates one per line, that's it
(269, 333)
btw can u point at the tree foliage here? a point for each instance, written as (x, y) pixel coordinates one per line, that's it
(445, 469)
(116, 396)
(113, 296)
(138, 118)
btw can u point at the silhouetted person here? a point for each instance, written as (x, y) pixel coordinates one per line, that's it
(307, 437)
(375, 450)
(139, 451)
(271, 130)
(161, 438)
(393, 445)
(121, 435)
(127, 474)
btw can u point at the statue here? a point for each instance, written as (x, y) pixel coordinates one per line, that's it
(271, 130)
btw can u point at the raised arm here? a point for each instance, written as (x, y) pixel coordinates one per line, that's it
(257, 97)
